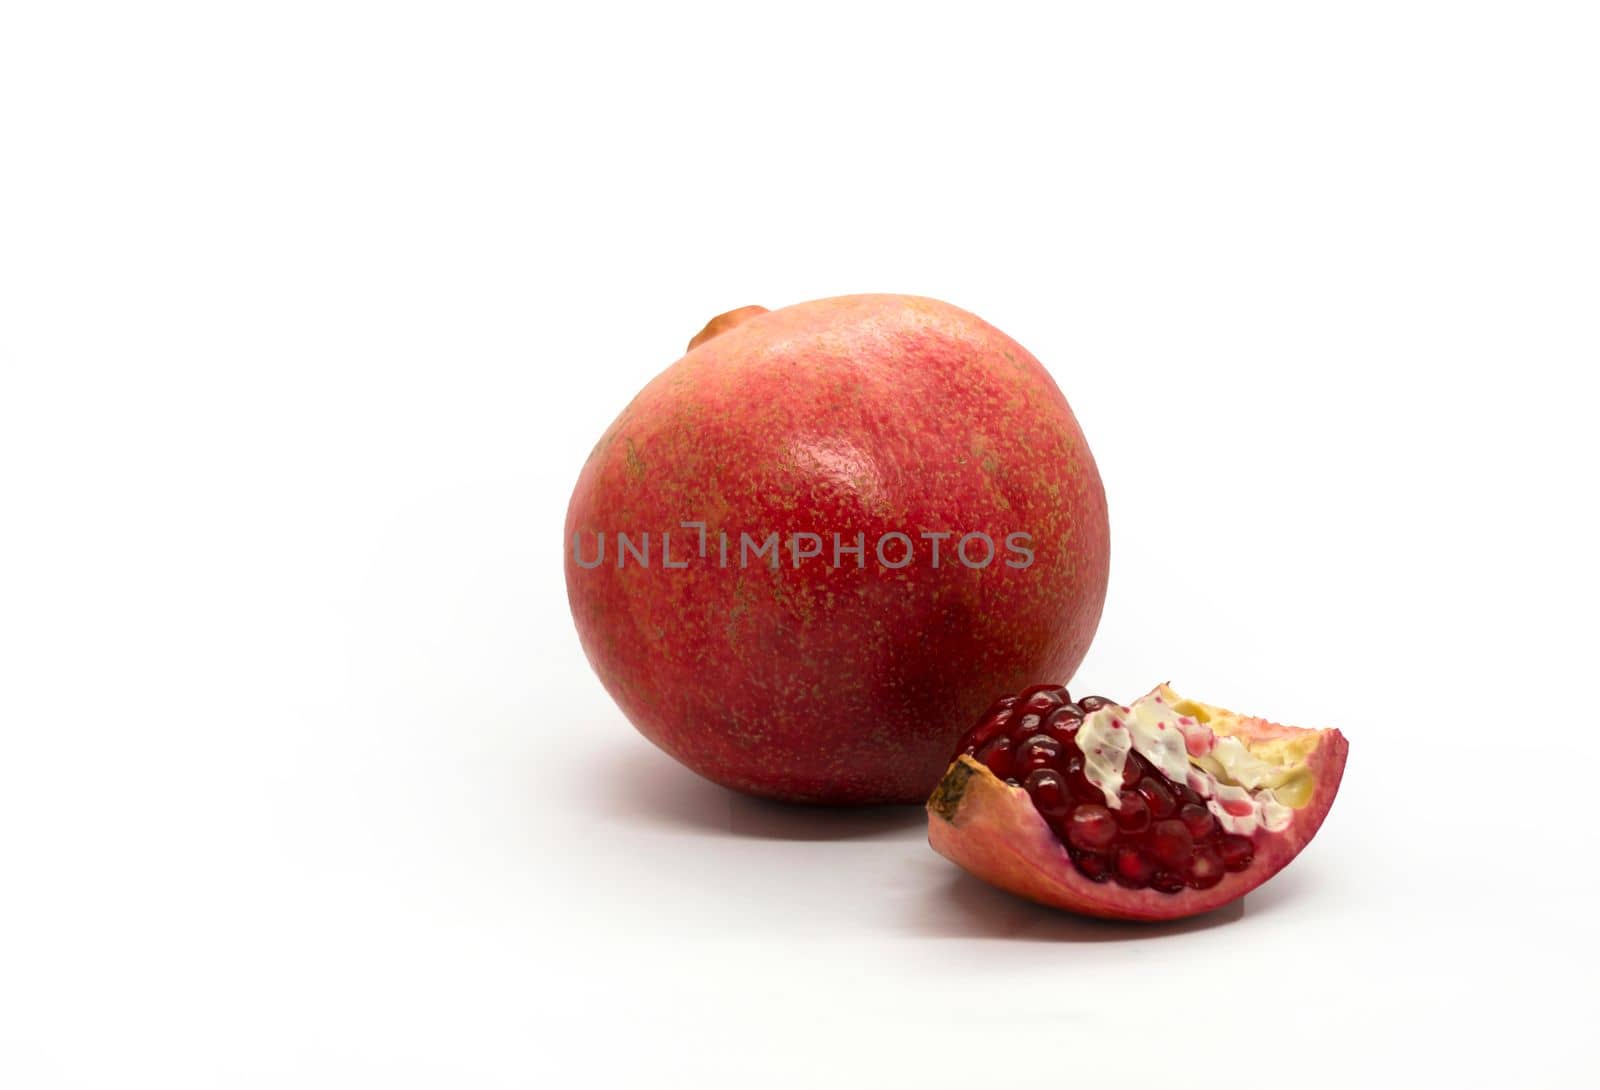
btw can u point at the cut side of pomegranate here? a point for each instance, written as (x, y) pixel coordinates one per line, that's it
(1156, 810)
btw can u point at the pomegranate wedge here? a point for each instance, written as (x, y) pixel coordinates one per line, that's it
(1157, 810)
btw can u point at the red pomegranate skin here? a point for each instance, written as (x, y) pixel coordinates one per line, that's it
(860, 414)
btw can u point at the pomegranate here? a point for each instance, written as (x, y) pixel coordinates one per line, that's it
(809, 551)
(1158, 810)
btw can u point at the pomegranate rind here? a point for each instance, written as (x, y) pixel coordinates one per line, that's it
(993, 831)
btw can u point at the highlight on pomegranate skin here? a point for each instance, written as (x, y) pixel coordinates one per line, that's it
(1156, 810)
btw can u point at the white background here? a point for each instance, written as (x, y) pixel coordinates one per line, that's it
(310, 312)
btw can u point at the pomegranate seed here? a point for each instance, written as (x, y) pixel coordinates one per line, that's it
(1039, 751)
(1197, 819)
(1091, 828)
(1025, 725)
(1042, 698)
(1062, 724)
(996, 756)
(1093, 865)
(1205, 869)
(1171, 843)
(1133, 769)
(1046, 687)
(1165, 881)
(987, 729)
(1133, 816)
(1237, 851)
(1048, 792)
(1077, 782)
(1159, 797)
(1094, 703)
(1133, 868)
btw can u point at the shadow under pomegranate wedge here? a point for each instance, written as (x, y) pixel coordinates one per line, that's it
(1158, 810)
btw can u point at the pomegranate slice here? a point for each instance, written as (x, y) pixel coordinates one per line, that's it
(1157, 810)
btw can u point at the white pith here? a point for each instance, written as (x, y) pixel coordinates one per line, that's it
(1218, 768)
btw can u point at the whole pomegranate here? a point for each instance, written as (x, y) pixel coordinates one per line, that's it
(810, 551)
